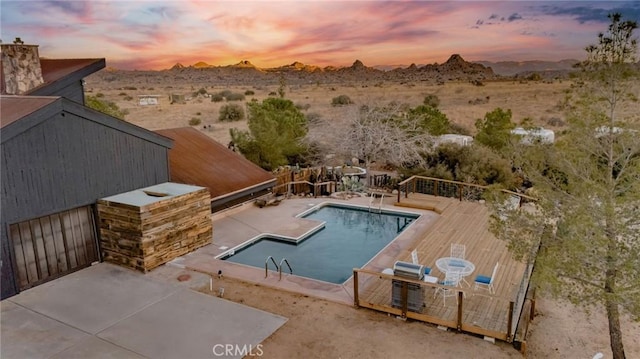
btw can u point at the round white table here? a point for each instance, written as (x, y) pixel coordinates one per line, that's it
(462, 266)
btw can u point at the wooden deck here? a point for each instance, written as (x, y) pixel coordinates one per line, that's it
(464, 223)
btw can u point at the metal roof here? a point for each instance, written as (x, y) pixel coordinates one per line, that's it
(58, 73)
(13, 108)
(198, 159)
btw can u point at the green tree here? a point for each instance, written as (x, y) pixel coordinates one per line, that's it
(494, 130)
(231, 112)
(276, 131)
(104, 106)
(587, 221)
(431, 119)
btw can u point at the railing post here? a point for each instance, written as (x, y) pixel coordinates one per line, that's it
(356, 301)
(510, 321)
(460, 192)
(405, 298)
(435, 188)
(399, 190)
(460, 298)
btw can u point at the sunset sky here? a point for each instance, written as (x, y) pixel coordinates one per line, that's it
(145, 34)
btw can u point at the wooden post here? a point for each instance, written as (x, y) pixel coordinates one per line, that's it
(356, 301)
(510, 320)
(532, 311)
(460, 192)
(460, 298)
(435, 188)
(405, 298)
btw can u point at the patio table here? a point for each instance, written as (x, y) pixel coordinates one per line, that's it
(462, 266)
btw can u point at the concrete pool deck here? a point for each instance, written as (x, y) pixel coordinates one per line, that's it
(241, 224)
(107, 311)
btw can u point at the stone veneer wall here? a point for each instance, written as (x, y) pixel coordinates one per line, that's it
(20, 68)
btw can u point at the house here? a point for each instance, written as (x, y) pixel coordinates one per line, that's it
(197, 159)
(58, 158)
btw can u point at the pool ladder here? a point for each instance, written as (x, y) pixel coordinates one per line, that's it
(278, 267)
(379, 205)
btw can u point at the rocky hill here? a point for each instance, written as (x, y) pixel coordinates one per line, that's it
(244, 72)
(513, 68)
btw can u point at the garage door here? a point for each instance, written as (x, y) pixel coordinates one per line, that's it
(51, 246)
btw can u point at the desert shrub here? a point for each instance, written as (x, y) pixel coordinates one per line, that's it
(273, 93)
(249, 93)
(341, 100)
(235, 97)
(431, 100)
(231, 112)
(534, 77)
(217, 98)
(108, 107)
(122, 94)
(225, 93)
(471, 164)
(555, 121)
(201, 91)
(194, 121)
(127, 98)
(458, 129)
(313, 117)
(99, 94)
(303, 107)
(430, 119)
(459, 90)
(131, 88)
(198, 113)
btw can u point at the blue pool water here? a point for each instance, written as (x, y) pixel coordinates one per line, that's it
(350, 238)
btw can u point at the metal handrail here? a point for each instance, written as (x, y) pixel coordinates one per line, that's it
(380, 206)
(266, 264)
(288, 265)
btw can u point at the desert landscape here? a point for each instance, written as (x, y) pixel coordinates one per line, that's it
(319, 328)
(467, 95)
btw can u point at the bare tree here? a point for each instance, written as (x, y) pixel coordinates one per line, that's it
(382, 134)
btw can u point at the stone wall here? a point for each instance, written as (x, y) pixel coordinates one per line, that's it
(20, 68)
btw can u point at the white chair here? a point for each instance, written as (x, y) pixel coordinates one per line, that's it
(457, 250)
(451, 279)
(427, 270)
(484, 282)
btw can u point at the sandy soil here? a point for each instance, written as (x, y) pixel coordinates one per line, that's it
(320, 329)
(538, 101)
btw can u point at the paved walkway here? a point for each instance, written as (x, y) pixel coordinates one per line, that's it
(110, 312)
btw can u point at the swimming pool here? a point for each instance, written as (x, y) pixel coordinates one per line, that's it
(351, 237)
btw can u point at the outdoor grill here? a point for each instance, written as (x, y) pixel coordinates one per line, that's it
(408, 270)
(415, 298)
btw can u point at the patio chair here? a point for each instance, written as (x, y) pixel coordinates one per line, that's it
(414, 260)
(457, 250)
(451, 279)
(484, 282)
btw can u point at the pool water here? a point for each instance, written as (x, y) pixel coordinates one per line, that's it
(350, 238)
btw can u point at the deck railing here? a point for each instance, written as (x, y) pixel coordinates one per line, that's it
(478, 313)
(445, 188)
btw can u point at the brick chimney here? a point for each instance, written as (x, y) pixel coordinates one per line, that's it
(21, 70)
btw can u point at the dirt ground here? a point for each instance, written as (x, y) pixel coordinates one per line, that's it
(463, 103)
(321, 329)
